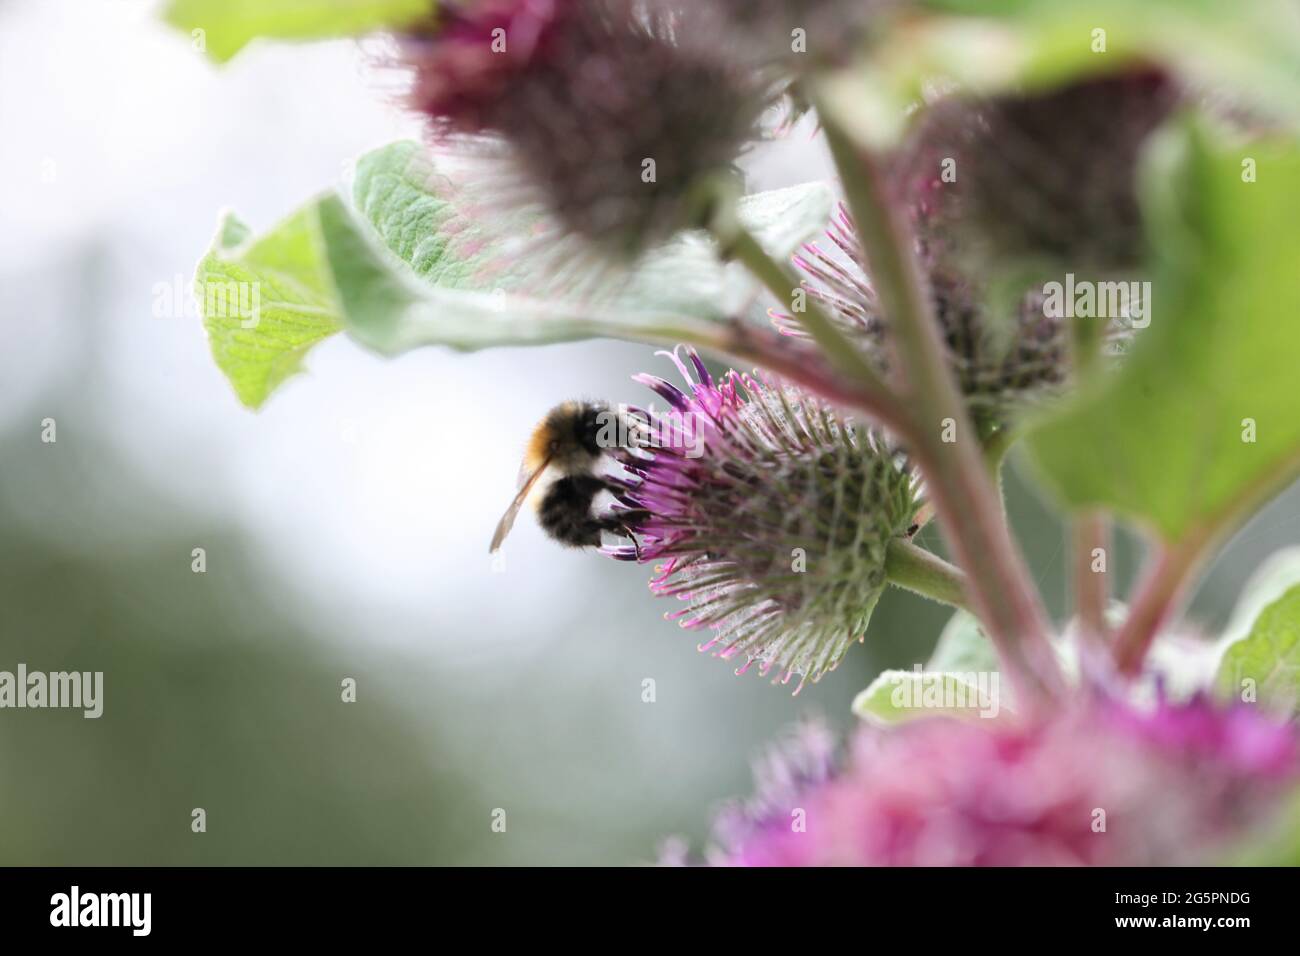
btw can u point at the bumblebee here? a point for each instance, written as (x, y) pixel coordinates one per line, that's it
(566, 447)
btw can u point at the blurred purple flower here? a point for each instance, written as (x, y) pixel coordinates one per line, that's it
(1037, 179)
(1103, 784)
(615, 113)
(465, 59)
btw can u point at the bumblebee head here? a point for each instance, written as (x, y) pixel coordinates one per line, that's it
(569, 437)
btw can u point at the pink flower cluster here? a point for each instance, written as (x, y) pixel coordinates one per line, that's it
(1104, 784)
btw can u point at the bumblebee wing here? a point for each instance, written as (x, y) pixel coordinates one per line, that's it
(527, 474)
(527, 480)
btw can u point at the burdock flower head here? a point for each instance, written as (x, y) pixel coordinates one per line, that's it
(616, 114)
(1101, 785)
(1048, 179)
(995, 188)
(769, 515)
(997, 369)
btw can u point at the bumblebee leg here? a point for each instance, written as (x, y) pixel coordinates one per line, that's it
(622, 522)
(636, 545)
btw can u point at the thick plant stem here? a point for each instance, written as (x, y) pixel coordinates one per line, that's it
(1092, 587)
(1167, 580)
(1171, 572)
(925, 573)
(739, 343)
(956, 476)
(804, 367)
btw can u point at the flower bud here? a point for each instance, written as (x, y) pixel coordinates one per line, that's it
(613, 113)
(1046, 178)
(998, 370)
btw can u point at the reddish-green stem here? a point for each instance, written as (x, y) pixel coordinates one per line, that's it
(957, 479)
(1166, 582)
(1091, 587)
(743, 343)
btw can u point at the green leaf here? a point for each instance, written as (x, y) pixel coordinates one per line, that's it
(1268, 657)
(1277, 845)
(1163, 439)
(898, 696)
(228, 25)
(962, 678)
(424, 217)
(265, 302)
(963, 646)
(1277, 575)
(385, 306)
(324, 270)
(1248, 48)
(421, 270)
(452, 237)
